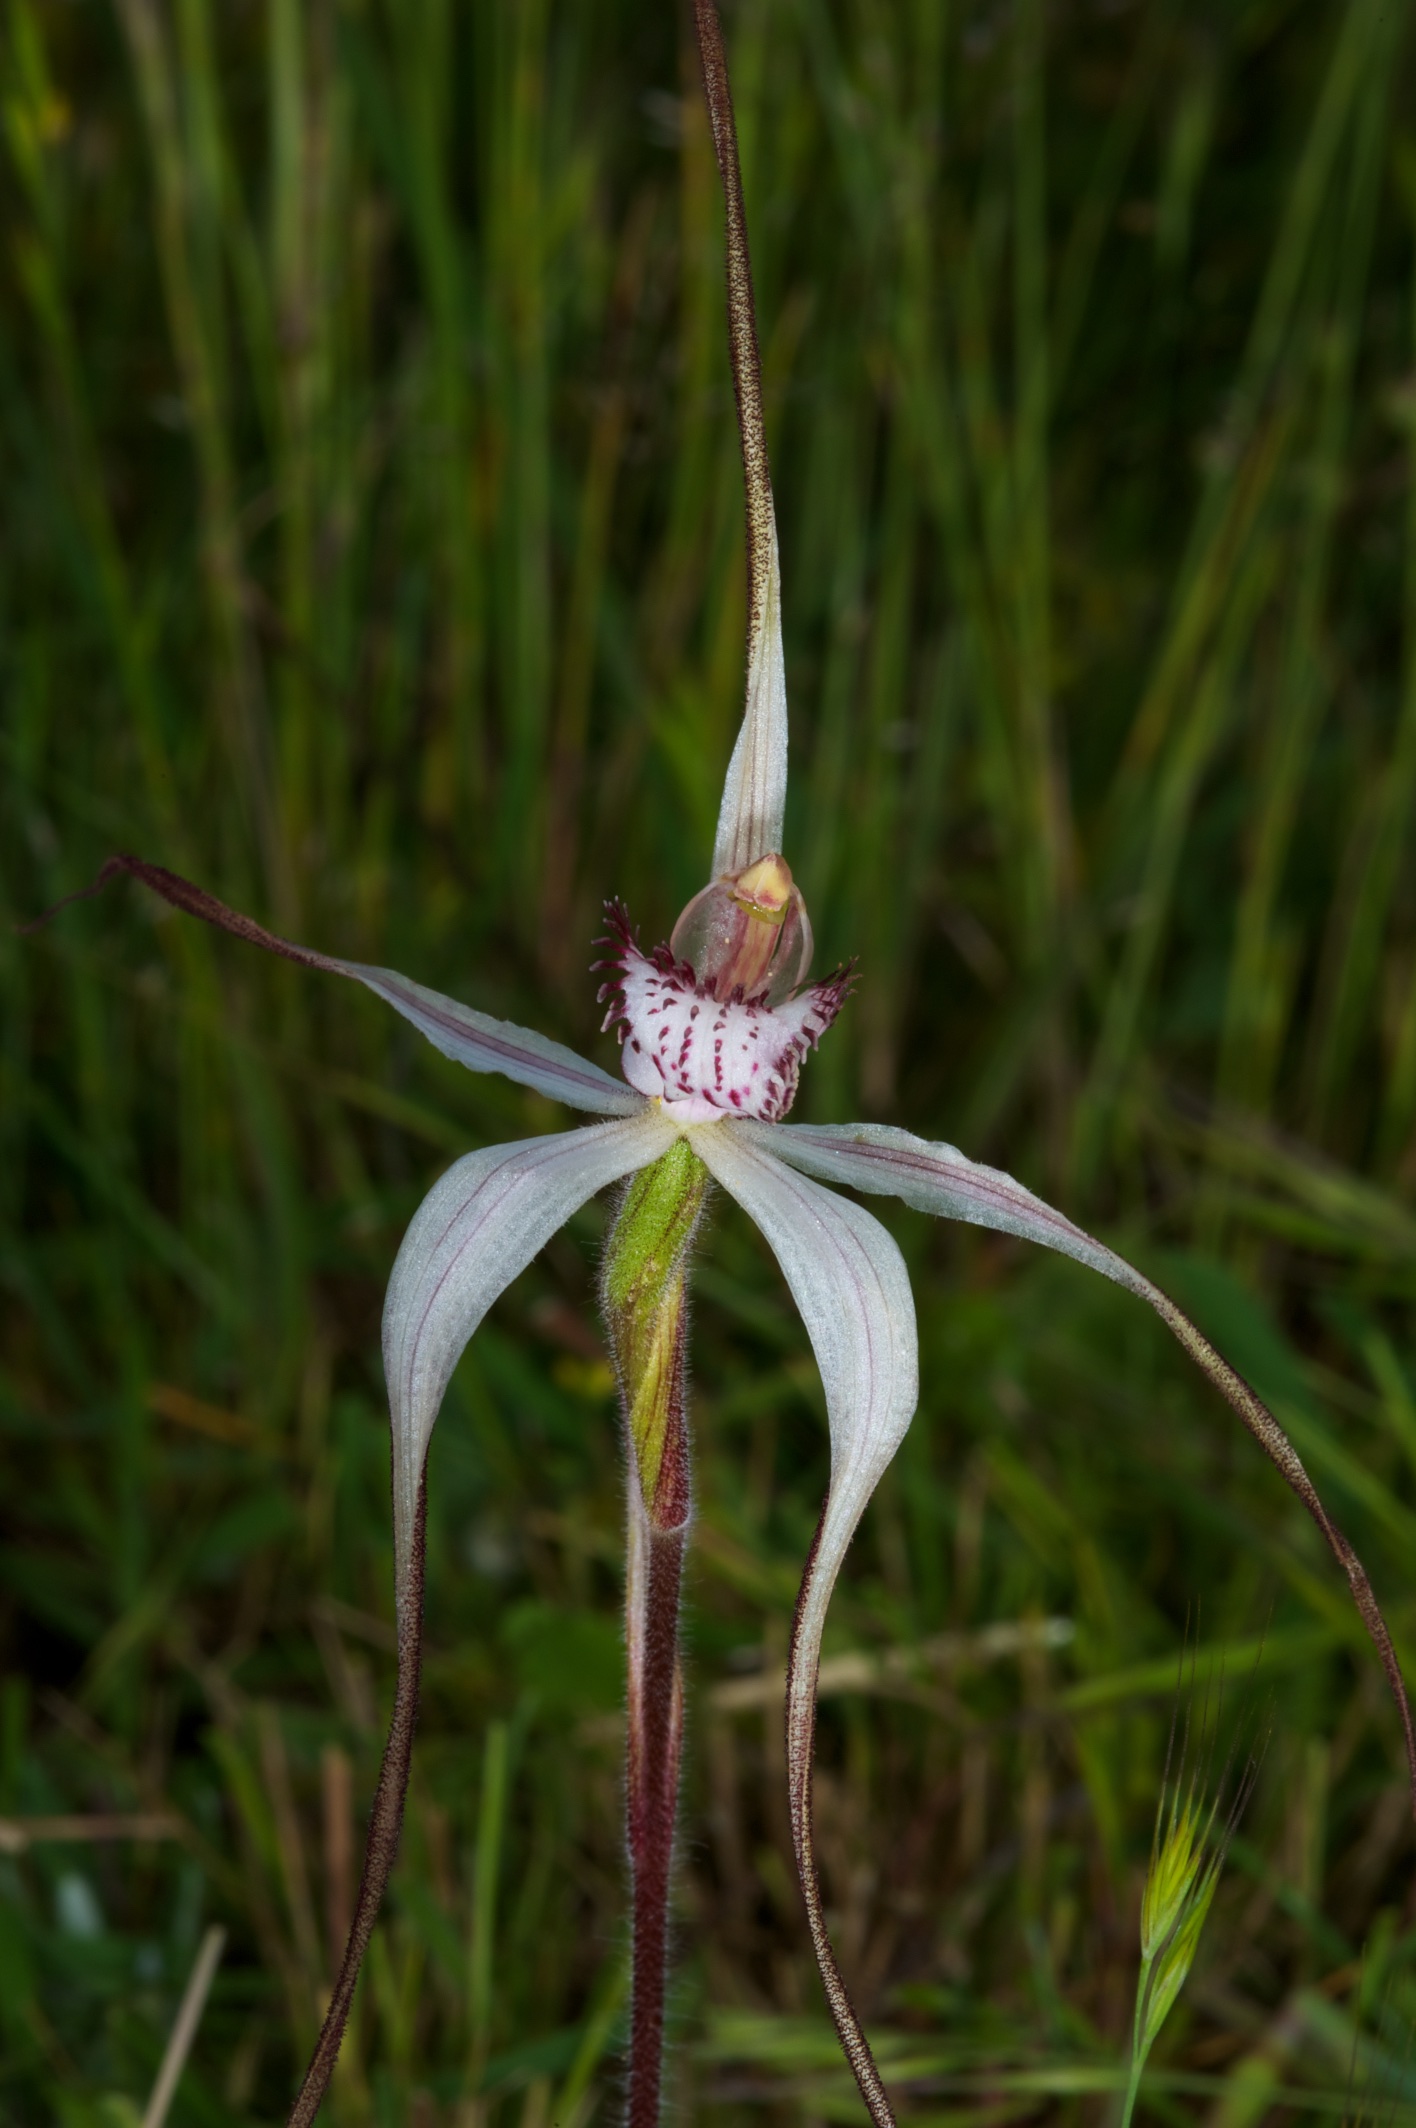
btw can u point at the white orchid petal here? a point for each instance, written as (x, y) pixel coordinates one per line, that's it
(755, 793)
(470, 1038)
(484, 1044)
(939, 1178)
(849, 1280)
(477, 1227)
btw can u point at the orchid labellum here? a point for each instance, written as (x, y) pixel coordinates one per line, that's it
(715, 1026)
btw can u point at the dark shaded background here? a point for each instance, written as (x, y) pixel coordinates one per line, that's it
(373, 553)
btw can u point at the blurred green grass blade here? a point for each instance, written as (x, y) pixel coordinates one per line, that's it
(1176, 793)
(486, 1868)
(1258, 1011)
(237, 695)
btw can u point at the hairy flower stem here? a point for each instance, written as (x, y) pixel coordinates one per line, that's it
(643, 1288)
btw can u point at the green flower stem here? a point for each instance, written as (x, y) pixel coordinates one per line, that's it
(643, 1289)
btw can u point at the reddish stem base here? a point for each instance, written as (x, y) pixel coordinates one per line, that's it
(655, 1749)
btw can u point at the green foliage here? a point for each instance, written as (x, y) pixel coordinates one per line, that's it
(1187, 1855)
(373, 554)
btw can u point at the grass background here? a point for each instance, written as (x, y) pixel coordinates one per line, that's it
(373, 553)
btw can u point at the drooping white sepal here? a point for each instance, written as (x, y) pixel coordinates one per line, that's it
(849, 1281)
(483, 1044)
(477, 1227)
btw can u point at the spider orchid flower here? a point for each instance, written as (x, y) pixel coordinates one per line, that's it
(714, 1028)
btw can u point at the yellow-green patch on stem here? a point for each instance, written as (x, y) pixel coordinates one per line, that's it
(644, 1291)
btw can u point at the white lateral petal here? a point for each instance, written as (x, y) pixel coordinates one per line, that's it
(484, 1044)
(940, 1179)
(755, 793)
(476, 1228)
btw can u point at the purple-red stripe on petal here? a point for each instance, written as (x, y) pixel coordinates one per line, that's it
(470, 1038)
